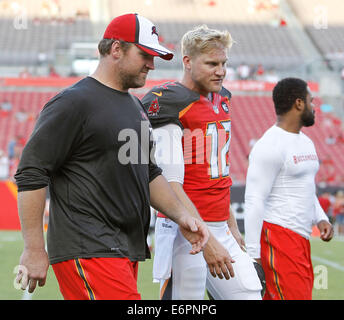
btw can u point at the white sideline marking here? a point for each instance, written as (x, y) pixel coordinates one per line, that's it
(329, 263)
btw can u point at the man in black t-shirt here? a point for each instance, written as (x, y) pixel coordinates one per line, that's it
(92, 146)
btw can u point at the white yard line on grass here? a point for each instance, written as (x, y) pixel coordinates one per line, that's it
(329, 263)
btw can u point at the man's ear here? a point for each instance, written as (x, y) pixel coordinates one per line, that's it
(187, 63)
(116, 50)
(299, 104)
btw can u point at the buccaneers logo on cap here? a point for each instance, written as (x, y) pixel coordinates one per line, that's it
(154, 108)
(154, 31)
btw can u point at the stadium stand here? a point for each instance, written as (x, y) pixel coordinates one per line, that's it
(323, 21)
(45, 9)
(37, 44)
(256, 29)
(260, 37)
(33, 31)
(29, 104)
(252, 115)
(254, 43)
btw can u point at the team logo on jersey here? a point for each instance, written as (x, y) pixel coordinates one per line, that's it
(154, 31)
(224, 106)
(154, 108)
(216, 109)
(307, 157)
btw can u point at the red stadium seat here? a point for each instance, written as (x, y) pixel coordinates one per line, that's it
(251, 115)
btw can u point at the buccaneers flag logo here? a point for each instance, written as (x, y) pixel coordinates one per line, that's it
(154, 108)
(154, 31)
(225, 104)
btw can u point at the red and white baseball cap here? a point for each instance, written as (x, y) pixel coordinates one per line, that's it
(138, 30)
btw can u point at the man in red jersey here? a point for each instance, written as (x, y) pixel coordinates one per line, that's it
(192, 128)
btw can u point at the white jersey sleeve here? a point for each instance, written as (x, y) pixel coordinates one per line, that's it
(265, 162)
(169, 152)
(319, 212)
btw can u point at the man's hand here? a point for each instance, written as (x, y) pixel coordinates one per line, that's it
(218, 259)
(34, 265)
(326, 230)
(34, 261)
(195, 231)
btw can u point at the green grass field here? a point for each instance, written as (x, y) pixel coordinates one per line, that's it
(328, 263)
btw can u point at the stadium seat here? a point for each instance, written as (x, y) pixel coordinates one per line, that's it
(251, 116)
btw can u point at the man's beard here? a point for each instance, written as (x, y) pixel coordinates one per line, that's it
(132, 81)
(307, 118)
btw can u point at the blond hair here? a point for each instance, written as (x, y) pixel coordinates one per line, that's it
(201, 39)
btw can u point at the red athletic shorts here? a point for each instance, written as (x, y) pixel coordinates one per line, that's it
(286, 260)
(98, 279)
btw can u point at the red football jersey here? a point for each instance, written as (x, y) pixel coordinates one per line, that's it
(206, 125)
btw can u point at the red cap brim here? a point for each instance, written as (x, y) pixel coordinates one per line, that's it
(156, 52)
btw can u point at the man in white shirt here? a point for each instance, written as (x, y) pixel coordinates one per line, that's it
(280, 199)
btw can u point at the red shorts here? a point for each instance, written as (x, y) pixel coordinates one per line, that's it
(98, 279)
(286, 260)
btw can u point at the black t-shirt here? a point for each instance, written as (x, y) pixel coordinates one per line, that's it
(91, 145)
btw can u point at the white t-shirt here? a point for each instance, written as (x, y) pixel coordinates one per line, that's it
(169, 152)
(280, 186)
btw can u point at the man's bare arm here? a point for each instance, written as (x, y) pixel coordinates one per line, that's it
(34, 259)
(164, 199)
(233, 227)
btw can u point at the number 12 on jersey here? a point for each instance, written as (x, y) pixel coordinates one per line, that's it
(219, 139)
